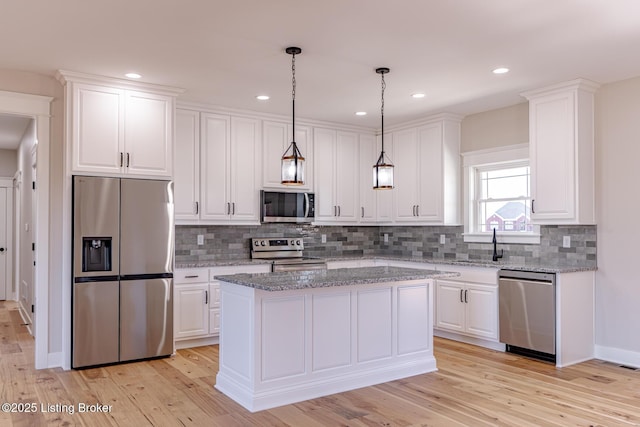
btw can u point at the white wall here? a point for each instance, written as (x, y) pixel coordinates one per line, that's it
(495, 128)
(617, 208)
(8, 163)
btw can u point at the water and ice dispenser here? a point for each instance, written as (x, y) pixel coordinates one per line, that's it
(96, 254)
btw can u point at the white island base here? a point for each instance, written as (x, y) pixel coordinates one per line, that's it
(282, 347)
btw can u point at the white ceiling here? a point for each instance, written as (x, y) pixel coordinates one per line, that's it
(226, 52)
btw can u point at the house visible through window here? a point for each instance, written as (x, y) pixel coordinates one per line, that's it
(502, 198)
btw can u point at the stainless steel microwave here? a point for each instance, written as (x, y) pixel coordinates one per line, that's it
(280, 206)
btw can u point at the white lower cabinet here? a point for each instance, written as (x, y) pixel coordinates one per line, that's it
(196, 308)
(467, 306)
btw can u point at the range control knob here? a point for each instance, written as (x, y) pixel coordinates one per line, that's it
(256, 243)
(292, 242)
(298, 242)
(263, 243)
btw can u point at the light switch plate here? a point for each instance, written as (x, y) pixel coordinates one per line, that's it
(566, 241)
(386, 238)
(442, 239)
(200, 239)
(323, 237)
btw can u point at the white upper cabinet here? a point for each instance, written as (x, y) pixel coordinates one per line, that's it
(368, 196)
(427, 169)
(276, 140)
(186, 177)
(230, 168)
(561, 149)
(118, 128)
(336, 178)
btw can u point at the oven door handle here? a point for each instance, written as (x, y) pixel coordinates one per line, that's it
(306, 205)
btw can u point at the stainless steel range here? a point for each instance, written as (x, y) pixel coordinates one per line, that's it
(286, 254)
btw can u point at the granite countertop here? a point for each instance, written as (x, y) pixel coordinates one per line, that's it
(290, 280)
(533, 265)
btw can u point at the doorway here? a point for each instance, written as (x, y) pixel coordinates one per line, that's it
(38, 108)
(7, 290)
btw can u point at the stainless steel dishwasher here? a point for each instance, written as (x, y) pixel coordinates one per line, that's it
(528, 313)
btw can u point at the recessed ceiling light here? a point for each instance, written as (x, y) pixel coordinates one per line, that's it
(501, 70)
(262, 97)
(418, 95)
(361, 113)
(133, 75)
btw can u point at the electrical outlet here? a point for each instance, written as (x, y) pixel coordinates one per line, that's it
(323, 237)
(386, 238)
(566, 241)
(442, 239)
(200, 239)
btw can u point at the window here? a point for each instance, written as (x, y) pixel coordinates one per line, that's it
(498, 196)
(502, 198)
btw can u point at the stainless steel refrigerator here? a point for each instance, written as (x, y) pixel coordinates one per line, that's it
(123, 245)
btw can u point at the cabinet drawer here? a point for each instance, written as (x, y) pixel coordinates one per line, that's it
(196, 275)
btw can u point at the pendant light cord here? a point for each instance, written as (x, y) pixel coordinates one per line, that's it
(293, 94)
(384, 85)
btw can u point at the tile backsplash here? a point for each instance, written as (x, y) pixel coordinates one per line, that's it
(229, 242)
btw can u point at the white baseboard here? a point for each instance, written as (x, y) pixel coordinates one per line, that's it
(618, 355)
(196, 342)
(55, 360)
(274, 396)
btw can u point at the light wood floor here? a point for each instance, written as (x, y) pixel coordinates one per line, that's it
(473, 387)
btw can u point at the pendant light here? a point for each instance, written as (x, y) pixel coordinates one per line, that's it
(292, 160)
(383, 169)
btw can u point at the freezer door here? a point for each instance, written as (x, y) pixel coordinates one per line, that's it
(96, 223)
(95, 323)
(146, 241)
(146, 318)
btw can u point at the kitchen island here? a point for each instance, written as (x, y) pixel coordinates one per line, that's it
(292, 336)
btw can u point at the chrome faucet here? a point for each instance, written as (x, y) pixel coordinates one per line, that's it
(496, 256)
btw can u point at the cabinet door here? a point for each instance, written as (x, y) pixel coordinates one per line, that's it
(482, 310)
(552, 158)
(148, 134)
(450, 307)
(368, 196)
(245, 168)
(405, 155)
(347, 176)
(97, 131)
(430, 169)
(276, 138)
(214, 321)
(191, 313)
(186, 175)
(324, 142)
(214, 167)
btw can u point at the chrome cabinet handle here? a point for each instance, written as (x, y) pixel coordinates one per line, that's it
(362, 212)
(233, 208)
(206, 297)
(417, 210)
(461, 291)
(465, 296)
(228, 208)
(197, 208)
(127, 159)
(338, 210)
(121, 159)
(533, 210)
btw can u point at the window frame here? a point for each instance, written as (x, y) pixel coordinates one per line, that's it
(496, 158)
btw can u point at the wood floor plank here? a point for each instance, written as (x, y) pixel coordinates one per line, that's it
(472, 387)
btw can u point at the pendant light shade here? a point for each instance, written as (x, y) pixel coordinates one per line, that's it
(383, 169)
(292, 160)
